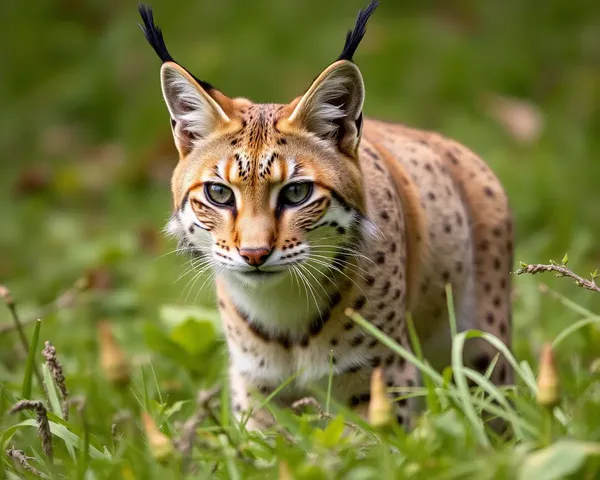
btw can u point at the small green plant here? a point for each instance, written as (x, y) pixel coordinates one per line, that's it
(143, 434)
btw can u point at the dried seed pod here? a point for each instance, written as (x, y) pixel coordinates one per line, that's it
(159, 444)
(56, 370)
(112, 357)
(548, 394)
(380, 406)
(41, 418)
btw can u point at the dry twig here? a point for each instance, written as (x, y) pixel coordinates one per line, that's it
(41, 419)
(561, 271)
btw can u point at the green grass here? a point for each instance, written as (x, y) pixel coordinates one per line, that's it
(84, 192)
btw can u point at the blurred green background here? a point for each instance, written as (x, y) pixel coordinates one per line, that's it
(87, 153)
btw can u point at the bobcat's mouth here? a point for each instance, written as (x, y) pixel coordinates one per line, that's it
(260, 273)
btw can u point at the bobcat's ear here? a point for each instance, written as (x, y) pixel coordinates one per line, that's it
(196, 107)
(332, 106)
(194, 113)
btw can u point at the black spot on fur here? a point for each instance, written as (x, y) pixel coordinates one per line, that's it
(356, 400)
(353, 369)
(359, 302)
(481, 362)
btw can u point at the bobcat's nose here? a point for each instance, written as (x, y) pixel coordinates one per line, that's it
(255, 256)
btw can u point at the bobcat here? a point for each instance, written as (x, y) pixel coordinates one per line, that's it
(305, 209)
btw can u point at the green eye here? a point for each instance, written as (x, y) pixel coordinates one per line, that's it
(219, 194)
(296, 193)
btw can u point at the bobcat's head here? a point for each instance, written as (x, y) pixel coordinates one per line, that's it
(263, 191)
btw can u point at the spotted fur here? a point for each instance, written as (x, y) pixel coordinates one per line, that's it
(392, 215)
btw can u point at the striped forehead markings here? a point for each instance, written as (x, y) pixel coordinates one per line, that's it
(271, 165)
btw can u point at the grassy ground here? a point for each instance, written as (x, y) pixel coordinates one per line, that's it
(86, 157)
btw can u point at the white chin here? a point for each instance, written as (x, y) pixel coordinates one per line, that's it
(259, 277)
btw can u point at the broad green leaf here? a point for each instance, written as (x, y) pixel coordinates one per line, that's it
(59, 431)
(161, 343)
(174, 315)
(332, 434)
(563, 458)
(194, 336)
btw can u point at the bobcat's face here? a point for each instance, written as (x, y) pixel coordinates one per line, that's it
(262, 199)
(263, 190)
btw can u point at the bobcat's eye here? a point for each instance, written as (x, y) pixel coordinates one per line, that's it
(219, 194)
(296, 193)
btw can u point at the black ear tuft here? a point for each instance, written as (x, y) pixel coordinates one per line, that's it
(153, 33)
(354, 36)
(155, 38)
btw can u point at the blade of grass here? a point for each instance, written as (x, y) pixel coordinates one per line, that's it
(329, 383)
(570, 304)
(432, 401)
(451, 312)
(495, 393)
(225, 413)
(145, 389)
(30, 365)
(52, 392)
(160, 398)
(463, 388)
(234, 473)
(573, 328)
(395, 346)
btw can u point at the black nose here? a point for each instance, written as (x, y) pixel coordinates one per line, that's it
(255, 256)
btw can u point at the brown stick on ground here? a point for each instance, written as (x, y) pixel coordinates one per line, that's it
(562, 271)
